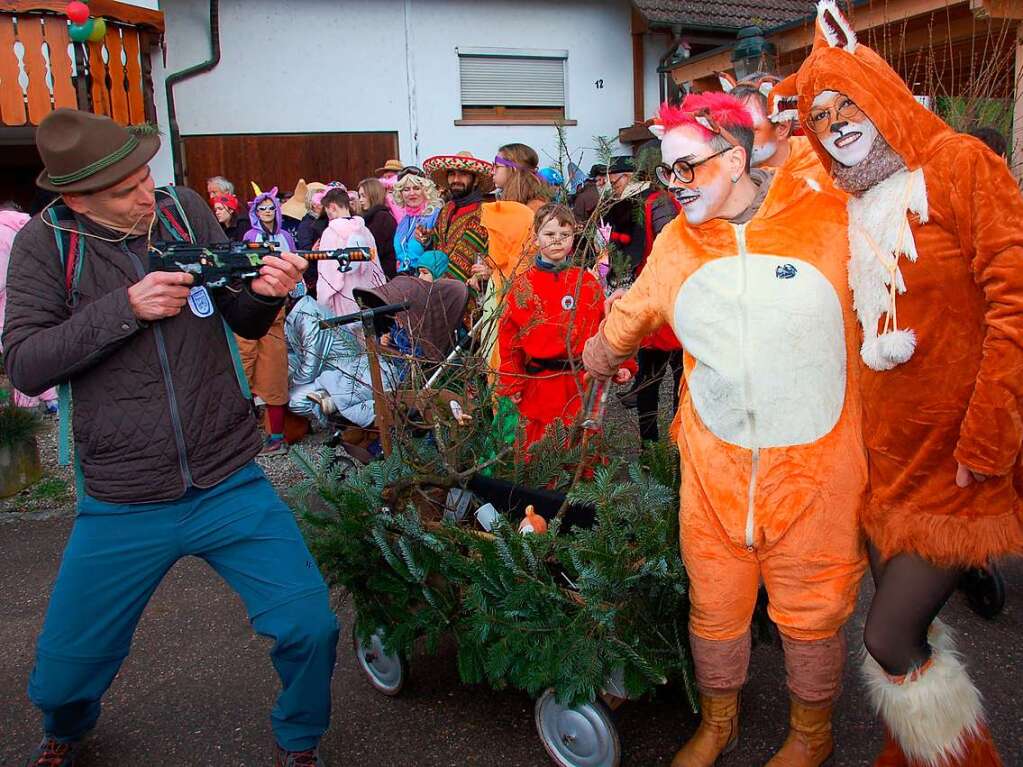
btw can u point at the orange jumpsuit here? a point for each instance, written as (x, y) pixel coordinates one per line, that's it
(769, 423)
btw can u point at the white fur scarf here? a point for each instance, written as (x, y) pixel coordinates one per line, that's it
(880, 234)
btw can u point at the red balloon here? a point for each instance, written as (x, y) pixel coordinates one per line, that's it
(77, 11)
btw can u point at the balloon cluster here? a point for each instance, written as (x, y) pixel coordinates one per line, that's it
(84, 29)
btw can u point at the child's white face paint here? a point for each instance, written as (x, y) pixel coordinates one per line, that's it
(847, 141)
(704, 197)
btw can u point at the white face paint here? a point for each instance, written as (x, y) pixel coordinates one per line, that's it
(851, 142)
(708, 193)
(765, 143)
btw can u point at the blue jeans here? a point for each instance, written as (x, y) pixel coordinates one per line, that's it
(118, 554)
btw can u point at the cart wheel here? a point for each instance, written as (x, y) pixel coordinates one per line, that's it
(385, 671)
(579, 736)
(985, 590)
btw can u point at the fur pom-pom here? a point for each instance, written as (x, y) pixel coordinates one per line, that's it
(888, 350)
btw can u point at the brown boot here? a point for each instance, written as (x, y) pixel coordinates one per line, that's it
(809, 743)
(717, 734)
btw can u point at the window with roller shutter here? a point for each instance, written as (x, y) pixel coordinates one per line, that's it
(504, 85)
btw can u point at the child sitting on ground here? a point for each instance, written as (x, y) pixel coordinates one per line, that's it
(549, 312)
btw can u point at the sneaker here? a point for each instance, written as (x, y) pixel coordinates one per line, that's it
(52, 753)
(310, 758)
(274, 446)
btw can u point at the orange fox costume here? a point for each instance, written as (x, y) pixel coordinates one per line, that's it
(942, 378)
(773, 467)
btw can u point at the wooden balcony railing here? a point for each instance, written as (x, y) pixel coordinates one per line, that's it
(42, 70)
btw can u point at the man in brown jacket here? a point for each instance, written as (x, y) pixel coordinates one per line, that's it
(164, 436)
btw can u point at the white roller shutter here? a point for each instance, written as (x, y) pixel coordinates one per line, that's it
(512, 81)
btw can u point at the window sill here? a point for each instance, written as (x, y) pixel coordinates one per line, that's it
(567, 123)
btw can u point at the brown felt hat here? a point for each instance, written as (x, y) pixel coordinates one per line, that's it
(85, 153)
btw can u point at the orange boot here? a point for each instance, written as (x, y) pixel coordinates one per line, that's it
(717, 734)
(809, 743)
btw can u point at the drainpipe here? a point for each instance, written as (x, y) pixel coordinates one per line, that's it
(410, 78)
(177, 150)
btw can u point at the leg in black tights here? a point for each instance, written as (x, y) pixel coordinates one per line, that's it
(910, 594)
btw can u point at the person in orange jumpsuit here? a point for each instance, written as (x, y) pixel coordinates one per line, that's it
(549, 312)
(751, 278)
(936, 270)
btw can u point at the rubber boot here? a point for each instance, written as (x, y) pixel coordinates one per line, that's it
(809, 743)
(717, 734)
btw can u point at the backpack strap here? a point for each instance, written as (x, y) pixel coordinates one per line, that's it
(172, 215)
(71, 250)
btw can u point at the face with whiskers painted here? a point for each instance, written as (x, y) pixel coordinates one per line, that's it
(842, 127)
(701, 171)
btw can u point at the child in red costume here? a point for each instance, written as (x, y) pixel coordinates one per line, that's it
(550, 311)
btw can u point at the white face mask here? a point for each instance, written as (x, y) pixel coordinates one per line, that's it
(764, 152)
(851, 143)
(764, 144)
(703, 199)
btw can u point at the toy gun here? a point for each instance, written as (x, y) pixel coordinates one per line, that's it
(217, 264)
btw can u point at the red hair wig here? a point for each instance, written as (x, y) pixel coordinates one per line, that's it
(726, 110)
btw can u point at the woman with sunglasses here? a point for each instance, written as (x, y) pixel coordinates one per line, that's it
(266, 359)
(752, 280)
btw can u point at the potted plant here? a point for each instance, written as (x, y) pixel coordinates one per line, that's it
(19, 453)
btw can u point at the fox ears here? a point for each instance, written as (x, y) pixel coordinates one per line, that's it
(833, 29)
(657, 130)
(727, 81)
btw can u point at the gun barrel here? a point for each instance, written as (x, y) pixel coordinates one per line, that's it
(348, 319)
(341, 254)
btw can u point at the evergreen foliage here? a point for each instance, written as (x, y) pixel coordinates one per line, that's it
(564, 610)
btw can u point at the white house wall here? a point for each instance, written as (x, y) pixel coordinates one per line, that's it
(309, 66)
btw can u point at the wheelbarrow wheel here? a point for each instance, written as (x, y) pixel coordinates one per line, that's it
(387, 672)
(985, 590)
(577, 736)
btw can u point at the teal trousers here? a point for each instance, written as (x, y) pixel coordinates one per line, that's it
(118, 554)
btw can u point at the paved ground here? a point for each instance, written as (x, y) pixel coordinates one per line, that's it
(197, 689)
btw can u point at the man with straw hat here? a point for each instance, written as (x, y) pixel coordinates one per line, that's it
(459, 232)
(165, 438)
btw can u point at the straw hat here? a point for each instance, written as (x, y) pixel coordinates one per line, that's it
(439, 166)
(391, 166)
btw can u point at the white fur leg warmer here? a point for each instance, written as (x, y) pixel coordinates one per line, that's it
(934, 712)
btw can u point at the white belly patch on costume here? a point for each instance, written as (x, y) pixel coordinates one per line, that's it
(768, 338)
